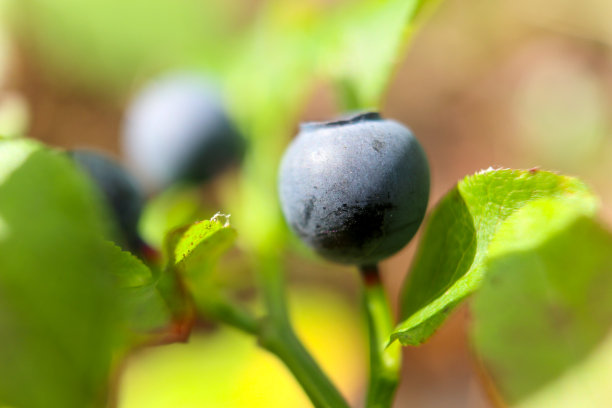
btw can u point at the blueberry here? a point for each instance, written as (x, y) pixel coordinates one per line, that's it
(177, 129)
(123, 195)
(354, 189)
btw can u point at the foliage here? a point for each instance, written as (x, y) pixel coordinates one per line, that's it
(462, 228)
(62, 312)
(528, 244)
(558, 284)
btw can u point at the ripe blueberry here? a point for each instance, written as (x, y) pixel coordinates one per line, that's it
(355, 189)
(123, 195)
(177, 129)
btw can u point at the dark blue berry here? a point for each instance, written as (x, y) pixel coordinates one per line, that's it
(123, 196)
(355, 189)
(177, 129)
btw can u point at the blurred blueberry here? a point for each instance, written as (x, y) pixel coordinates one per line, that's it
(177, 129)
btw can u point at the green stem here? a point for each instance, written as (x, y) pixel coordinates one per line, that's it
(225, 311)
(274, 332)
(385, 359)
(349, 99)
(282, 342)
(277, 336)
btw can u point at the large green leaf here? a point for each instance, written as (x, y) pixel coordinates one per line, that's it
(543, 316)
(450, 261)
(58, 308)
(68, 298)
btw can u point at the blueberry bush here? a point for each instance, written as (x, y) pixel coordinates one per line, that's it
(93, 270)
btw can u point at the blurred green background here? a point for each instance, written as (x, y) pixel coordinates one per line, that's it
(495, 83)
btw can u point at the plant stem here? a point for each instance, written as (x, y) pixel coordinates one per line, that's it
(282, 342)
(385, 360)
(225, 311)
(274, 332)
(277, 336)
(349, 99)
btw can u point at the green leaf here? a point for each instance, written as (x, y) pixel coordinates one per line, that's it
(193, 252)
(128, 270)
(144, 306)
(363, 40)
(58, 303)
(543, 316)
(198, 245)
(450, 262)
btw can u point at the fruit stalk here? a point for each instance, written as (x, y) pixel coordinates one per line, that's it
(276, 335)
(385, 359)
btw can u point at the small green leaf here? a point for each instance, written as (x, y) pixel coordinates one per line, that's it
(144, 306)
(193, 252)
(543, 316)
(450, 262)
(201, 243)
